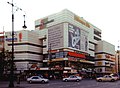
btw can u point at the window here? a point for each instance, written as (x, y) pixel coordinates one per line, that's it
(61, 55)
(65, 54)
(57, 55)
(53, 55)
(35, 78)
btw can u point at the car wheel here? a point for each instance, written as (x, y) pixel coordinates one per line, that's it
(66, 80)
(112, 80)
(42, 81)
(77, 80)
(100, 80)
(30, 81)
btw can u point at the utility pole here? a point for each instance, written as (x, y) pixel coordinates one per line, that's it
(11, 84)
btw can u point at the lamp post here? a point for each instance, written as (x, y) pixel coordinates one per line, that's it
(24, 26)
(11, 84)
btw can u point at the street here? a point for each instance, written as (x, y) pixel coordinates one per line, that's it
(60, 84)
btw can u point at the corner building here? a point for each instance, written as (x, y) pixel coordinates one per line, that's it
(70, 43)
(61, 44)
(105, 60)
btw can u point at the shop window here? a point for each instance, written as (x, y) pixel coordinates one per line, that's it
(53, 55)
(57, 55)
(65, 54)
(61, 55)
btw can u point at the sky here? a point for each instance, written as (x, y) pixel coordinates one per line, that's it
(104, 14)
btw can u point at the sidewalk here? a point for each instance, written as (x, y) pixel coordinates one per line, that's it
(5, 84)
(13, 87)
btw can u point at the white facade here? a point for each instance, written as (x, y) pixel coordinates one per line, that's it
(103, 46)
(63, 30)
(105, 57)
(66, 17)
(26, 48)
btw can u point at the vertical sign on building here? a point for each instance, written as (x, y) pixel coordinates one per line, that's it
(1, 41)
(20, 37)
(84, 40)
(73, 37)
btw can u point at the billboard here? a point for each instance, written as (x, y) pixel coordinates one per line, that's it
(73, 37)
(42, 23)
(8, 37)
(55, 36)
(77, 38)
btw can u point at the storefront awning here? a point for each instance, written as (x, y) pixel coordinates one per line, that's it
(74, 54)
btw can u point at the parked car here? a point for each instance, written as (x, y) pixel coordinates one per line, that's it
(106, 78)
(116, 76)
(72, 78)
(37, 79)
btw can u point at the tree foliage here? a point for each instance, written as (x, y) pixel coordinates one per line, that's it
(5, 63)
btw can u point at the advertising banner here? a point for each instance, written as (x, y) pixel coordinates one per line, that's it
(42, 23)
(55, 36)
(9, 38)
(73, 37)
(77, 38)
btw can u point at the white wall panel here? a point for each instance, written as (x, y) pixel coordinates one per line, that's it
(92, 53)
(91, 46)
(24, 56)
(104, 46)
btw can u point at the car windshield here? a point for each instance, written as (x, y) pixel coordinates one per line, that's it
(72, 76)
(35, 77)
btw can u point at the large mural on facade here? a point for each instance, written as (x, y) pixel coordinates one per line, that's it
(73, 37)
(77, 38)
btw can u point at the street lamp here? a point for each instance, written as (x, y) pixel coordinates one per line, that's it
(11, 84)
(24, 26)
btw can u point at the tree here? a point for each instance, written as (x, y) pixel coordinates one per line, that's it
(5, 63)
(1, 64)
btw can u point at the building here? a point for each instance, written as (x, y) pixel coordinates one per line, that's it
(62, 43)
(118, 61)
(105, 59)
(71, 40)
(1, 40)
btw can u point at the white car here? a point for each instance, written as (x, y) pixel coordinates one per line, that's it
(106, 78)
(115, 76)
(37, 79)
(72, 78)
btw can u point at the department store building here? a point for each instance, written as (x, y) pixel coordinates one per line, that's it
(61, 43)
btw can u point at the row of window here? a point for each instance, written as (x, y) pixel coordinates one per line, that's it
(56, 55)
